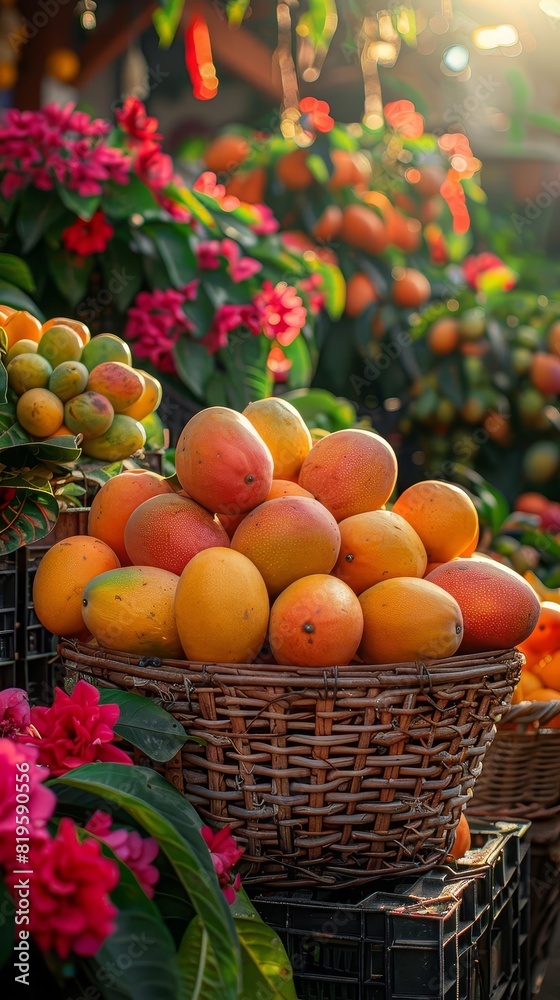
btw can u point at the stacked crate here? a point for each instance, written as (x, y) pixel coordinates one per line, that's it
(9, 676)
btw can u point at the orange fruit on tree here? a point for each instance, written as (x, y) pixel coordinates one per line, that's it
(226, 153)
(288, 538)
(375, 546)
(286, 488)
(221, 607)
(132, 609)
(404, 232)
(443, 336)
(364, 229)
(316, 622)
(249, 186)
(80, 328)
(21, 325)
(222, 462)
(61, 576)
(411, 289)
(407, 619)
(40, 412)
(360, 293)
(293, 171)
(442, 514)
(117, 499)
(499, 607)
(546, 671)
(350, 169)
(350, 472)
(284, 431)
(168, 530)
(462, 841)
(328, 225)
(545, 373)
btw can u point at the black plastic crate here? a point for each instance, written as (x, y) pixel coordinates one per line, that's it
(36, 646)
(8, 608)
(438, 937)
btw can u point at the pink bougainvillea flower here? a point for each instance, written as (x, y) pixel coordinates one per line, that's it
(317, 113)
(19, 775)
(14, 712)
(228, 318)
(153, 167)
(207, 184)
(157, 320)
(225, 854)
(75, 730)
(315, 298)
(404, 119)
(85, 238)
(208, 255)
(137, 852)
(265, 223)
(278, 364)
(138, 125)
(71, 909)
(240, 268)
(282, 310)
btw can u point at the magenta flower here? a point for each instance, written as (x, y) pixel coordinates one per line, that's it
(240, 268)
(266, 222)
(225, 854)
(153, 167)
(71, 910)
(228, 318)
(138, 125)
(157, 320)
(207, 184)
(14, 713)
(75, 730)
(208, 255)
(175, 210)
(85, 238)
(282, 310)
(19, 775)
(311, 286)
(137, 852)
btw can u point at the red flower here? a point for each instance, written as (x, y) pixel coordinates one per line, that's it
(282, 311)
(207, 184)
(311, 286)
(84, 237)
(137, 852)
(318, 114)
(139, 126)
(71, 910)
(153, 167)
(19, 775)
(75, 730)
(278, 364)
(14, 712)
(404, 119)
(228, 318)
(225, 854)
(476, 264)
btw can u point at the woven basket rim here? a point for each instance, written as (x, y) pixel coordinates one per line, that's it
(532, 713)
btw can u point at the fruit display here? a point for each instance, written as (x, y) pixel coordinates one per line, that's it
(317, 571)
(66, 384)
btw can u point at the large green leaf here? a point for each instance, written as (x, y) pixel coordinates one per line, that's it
(14, 270)
(18, 453)
(300, 374)
(71, 274)
(142, 936)
(334, 287)
(27, 518)
(37, 213)
(166, 815)
(123, 200)
(11, 295)
(145, 724)
(166, 20)
(194, 365)
(200, 978)
(172, 242)
(123, 272)
(320, 408)
(83, 207)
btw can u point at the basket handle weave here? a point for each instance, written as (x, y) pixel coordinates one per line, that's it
(536, 713)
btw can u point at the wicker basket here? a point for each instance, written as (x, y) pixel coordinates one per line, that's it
(328, 776)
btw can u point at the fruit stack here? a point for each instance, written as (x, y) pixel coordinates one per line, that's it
(67, 384)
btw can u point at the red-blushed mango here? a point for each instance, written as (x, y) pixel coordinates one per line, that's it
(121, 384)
(61, 576)
(117, 499)
(131, 609)
(500, 609)
(89, 413)
(124, 438)
(167, 531)
(350, 472)
(149, 400)
(221, 607)
(315, 622)
(288, 538)
(407, 619)
(222, 463)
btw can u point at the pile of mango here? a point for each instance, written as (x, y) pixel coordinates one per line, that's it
(68, 384)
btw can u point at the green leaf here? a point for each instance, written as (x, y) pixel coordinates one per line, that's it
(200, 978)
(334, 287)
(11, 295)
(300, 374)
(71, 274)
(172, 243)
(95, 472)
(123, 272)
(194, 365)
(38, 211)
(27, 518)
(14, 270)
(7, 929)
(3, 383)
(190, 200)
(313, 404)
(145, 724)
(166, 815)
(83, 207)
(19, 454)
(140, 934)
(236, 10)
(120, 201)
(166, 20)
